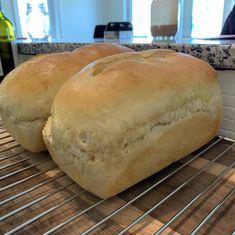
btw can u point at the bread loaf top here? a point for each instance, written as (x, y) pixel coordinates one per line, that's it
(128, 116)
(118, 99)
(26, 94)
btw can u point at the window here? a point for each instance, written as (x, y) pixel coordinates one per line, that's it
(207, 18)
(198, 18)
(141, 18)
(34, 19)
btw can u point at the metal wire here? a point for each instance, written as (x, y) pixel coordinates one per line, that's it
(14, 163)
(12, 155)
(34, 202)
(215, 209)
(80, 213)
(7, 142)
(27, 178)
(43, 214)
(73, 217)
(31, 189)
(150, 188)
(201, 193)
(10, 148)
(23, 169)
(173, 192)
(145, 192)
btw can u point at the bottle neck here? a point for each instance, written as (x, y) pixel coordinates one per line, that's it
(7, 29)
(1, 14)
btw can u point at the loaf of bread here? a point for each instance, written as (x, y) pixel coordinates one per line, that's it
(125, 117)
(26, 94)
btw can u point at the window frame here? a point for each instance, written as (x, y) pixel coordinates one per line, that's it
(186, 16)
(127, 10)
(54, 14)
(55, 19)
(185, 21)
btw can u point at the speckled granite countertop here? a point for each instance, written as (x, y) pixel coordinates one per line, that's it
(219, 53)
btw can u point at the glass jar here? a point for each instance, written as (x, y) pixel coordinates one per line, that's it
(164, 18)
(38, 22)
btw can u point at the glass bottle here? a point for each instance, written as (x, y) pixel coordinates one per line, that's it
(6, 55)
(164, 18)
(38, 22)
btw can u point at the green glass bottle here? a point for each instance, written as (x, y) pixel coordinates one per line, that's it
(6, 55)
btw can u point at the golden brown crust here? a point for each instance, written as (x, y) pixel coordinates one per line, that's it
(115, 123)
(26, 94)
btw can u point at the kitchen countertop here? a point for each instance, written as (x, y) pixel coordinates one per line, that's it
(219, 53)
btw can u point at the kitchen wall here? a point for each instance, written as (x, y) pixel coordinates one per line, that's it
(78, 17)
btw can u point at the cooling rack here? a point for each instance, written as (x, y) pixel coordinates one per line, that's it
(192, 196)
